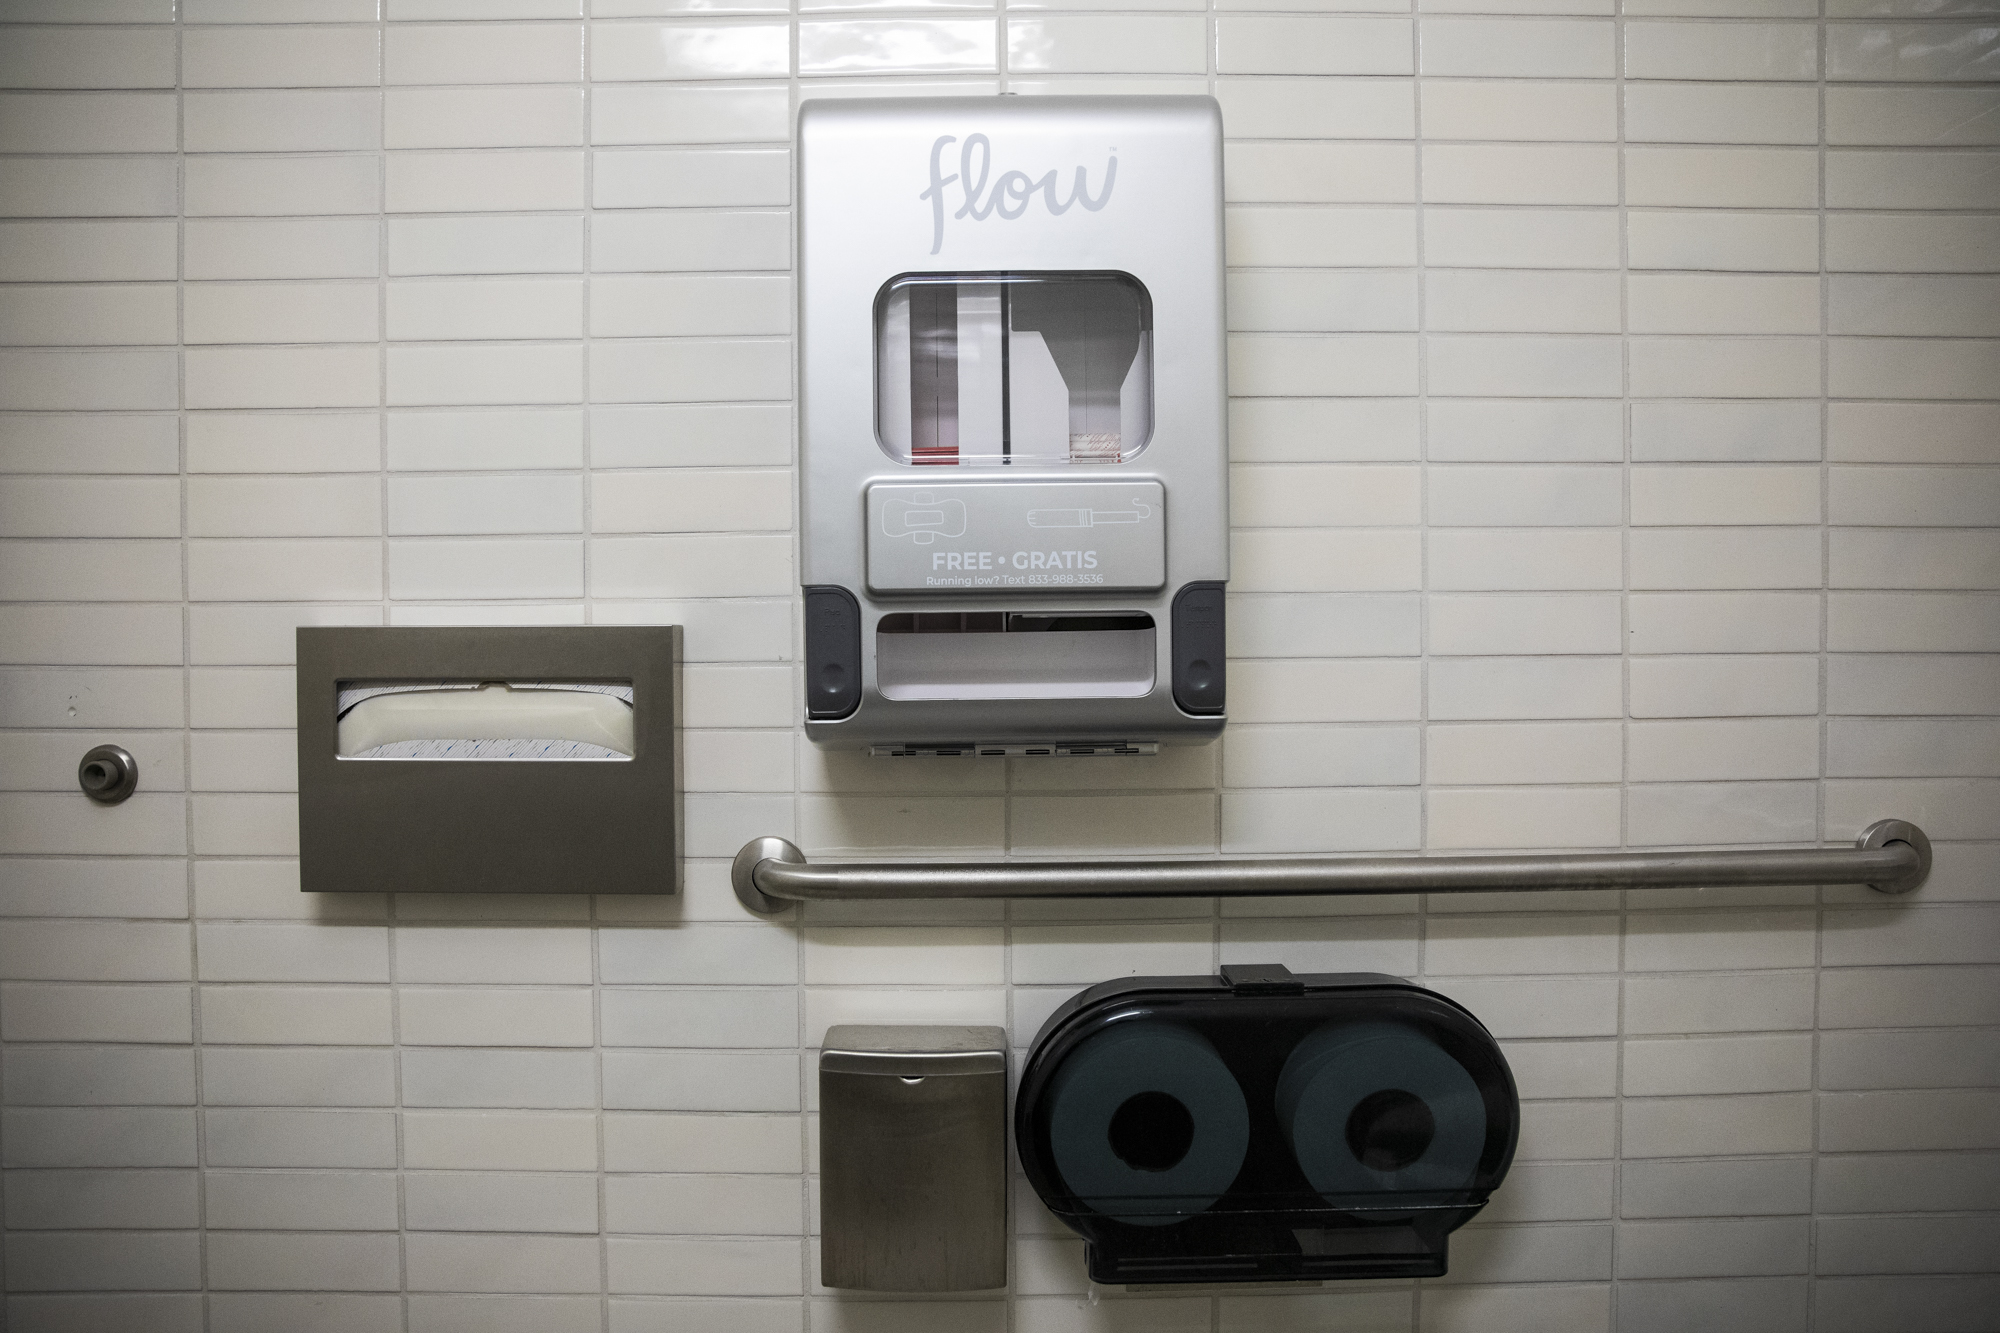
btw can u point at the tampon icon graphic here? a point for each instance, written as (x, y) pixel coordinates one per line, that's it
(1088, 518)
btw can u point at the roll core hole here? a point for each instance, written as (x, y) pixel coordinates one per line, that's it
(1390, 1129)
(1151, 1131)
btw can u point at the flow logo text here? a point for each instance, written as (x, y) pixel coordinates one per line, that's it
(1011, 193)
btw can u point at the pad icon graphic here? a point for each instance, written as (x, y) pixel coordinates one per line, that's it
(923, 518)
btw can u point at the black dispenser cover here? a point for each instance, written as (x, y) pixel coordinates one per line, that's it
(1261, 1126)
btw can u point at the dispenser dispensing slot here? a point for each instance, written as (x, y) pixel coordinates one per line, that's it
(1014, 655)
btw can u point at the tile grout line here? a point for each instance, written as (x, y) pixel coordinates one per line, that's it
(391, 903)
(796, 917)
(586, 478)
(1824, 491)
(1620, 87)
(1418, 273)
(1218, 800)
(195, 1015)
(1011, 909)
(587, 35)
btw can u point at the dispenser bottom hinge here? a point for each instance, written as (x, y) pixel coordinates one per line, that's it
(1062, 749)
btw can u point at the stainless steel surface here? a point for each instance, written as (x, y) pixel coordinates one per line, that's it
(471, 826)
(755, 852)
(1891, 855)
(108, 774)
(913, 1158)
(1887, 834)
(912, 1051)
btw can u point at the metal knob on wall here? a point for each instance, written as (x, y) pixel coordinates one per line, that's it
(108, 774)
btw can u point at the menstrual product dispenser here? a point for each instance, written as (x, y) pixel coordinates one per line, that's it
(1260, 1126)
(1014, 473)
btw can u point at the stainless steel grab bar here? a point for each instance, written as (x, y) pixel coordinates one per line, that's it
(1891, 855)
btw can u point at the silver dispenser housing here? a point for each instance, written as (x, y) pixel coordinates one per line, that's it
(1014, 466)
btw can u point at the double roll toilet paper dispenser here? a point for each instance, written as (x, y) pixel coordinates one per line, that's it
(1253, 1126)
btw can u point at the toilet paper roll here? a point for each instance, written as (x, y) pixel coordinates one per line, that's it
(1377, 1107)
(1146, 1123)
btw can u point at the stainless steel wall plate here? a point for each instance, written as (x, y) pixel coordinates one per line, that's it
(490, 760)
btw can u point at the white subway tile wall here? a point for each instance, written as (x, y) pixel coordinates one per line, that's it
(1617, 464)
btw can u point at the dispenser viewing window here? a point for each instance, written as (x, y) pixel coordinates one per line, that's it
(1014, 486)
(1001, 368)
